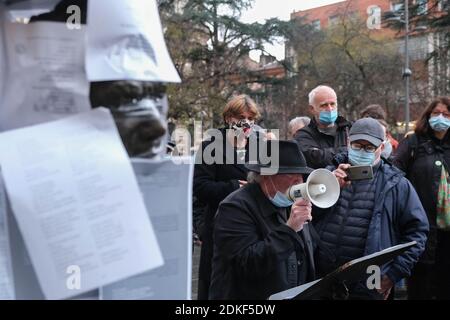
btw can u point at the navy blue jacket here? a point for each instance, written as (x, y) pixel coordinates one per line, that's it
(398, 217)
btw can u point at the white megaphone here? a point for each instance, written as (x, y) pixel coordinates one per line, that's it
(321, 188)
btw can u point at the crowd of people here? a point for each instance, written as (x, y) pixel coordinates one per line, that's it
(256, 241)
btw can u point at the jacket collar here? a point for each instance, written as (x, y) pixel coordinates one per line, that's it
(390, 176)
(340, 122)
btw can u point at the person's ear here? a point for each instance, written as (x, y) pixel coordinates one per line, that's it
(382, 146)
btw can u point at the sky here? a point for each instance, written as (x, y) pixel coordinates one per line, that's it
(281, 9)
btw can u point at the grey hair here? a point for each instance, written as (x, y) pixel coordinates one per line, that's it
(253, 177)
(312, 94)
(299, 120)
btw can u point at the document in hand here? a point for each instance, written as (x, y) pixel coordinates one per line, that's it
(349, 272)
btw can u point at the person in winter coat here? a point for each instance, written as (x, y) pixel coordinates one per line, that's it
(423, 155)
(327, 133)
(262, 243)
(220, 170)
(371, 215)
(296, 124)
(377, 112)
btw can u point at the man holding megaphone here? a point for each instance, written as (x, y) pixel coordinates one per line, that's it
(263, 242)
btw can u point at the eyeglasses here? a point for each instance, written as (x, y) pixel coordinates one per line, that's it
(436, 114)
(367, 147)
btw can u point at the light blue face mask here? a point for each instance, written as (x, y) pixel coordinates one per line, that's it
(361, 157)
(386, 153)
(280, 200)
(439, 123)
(328, 117)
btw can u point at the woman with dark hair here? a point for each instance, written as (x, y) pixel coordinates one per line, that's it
(425, 158)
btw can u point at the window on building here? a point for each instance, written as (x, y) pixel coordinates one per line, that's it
(333, 20)
(352, 15)
(417, 47)
(316, 24)
(396, 6)
(422, 6)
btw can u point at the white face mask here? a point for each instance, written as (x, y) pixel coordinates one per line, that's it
(386, 153)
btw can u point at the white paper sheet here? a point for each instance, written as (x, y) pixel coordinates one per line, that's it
(125, 42)
(46, 79)
(167, 192)
(28, 8)
(6, 283)
(25, 281)
(2, 54)
(77, 203)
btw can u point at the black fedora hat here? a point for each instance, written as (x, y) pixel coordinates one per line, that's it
(287, 155)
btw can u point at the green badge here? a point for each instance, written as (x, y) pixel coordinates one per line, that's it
(438, 163)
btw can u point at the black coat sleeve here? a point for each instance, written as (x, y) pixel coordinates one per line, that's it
(315, 156)
(402, 155)
(237, 239)
(207, 188)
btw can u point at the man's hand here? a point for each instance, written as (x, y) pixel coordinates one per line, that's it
(270, 136)
(340, 173)
(242, 183)
(386, 286)
(300, 214)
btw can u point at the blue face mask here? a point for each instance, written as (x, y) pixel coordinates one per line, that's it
(361, 157)
(439, 123)
(328, 117)
(280, 200)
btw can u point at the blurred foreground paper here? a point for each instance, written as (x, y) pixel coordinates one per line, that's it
(24, 9)
(45, 76)
(125, 42)
(167, 190)
(77, 203)
(2, 54)
(6, 283)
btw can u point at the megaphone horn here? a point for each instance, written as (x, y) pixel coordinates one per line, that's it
(321, 188)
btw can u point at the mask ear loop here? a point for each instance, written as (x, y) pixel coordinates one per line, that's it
(267, 188)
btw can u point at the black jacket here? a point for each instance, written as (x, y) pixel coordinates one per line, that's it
(255, 253)
(420, 163)
(318, 148)
(213, 183)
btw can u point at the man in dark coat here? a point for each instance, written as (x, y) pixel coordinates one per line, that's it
(327, 133)
(262, 243)
(371, 215)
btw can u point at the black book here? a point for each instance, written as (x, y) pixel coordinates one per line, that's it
(352, 271)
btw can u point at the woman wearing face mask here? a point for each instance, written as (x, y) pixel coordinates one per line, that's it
(388, 145)
(425, 157)
(221, 171)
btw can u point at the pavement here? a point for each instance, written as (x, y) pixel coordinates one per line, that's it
(195, 264)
